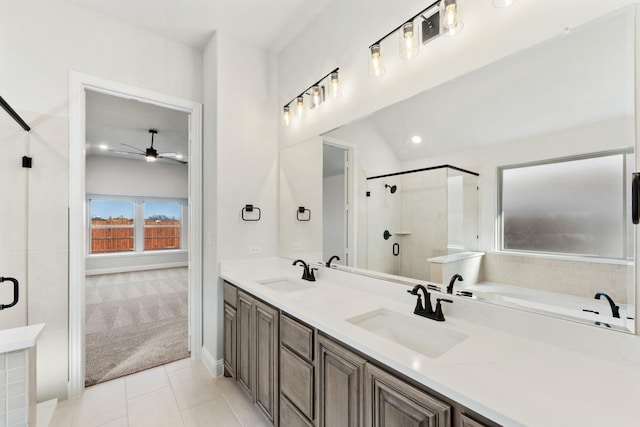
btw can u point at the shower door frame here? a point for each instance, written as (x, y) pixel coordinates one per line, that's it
(79, 83)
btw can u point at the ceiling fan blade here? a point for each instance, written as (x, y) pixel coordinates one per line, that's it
(126, 152)
(131, 146)
(173, 160)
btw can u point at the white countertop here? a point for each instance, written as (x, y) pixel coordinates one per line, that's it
(19, 338)
(512, 380)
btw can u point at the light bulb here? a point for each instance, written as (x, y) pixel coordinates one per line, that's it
(416, 139)
(299, 106)
(334, 85)
(503, 3)
(150, 159)
(409, 41)
(376, 67)
(316, 96)
(450, 18)
(286, 115)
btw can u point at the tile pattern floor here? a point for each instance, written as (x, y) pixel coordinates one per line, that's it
(179, 394)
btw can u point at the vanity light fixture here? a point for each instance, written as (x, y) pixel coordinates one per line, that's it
(286, 115)
(440, 17)
(376, 68)
(316, 93)
(451, 21)
(409, 40)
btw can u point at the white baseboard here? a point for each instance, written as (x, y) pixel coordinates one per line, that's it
(215, 367)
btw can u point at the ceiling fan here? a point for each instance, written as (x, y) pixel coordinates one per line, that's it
(151, 154)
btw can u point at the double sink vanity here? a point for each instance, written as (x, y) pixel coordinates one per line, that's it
(348, 350)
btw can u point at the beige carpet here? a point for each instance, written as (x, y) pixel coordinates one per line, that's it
(135, 321)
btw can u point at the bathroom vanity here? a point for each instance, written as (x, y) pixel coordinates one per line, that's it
(347, 350)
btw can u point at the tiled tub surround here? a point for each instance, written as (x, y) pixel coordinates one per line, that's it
(18, 376)
(516, 368)
(578, 278)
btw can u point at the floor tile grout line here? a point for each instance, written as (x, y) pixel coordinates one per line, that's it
(227, 400)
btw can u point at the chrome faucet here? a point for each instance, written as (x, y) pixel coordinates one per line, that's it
(336, 257)
(615, 309)
(307, 273)
(452, 281)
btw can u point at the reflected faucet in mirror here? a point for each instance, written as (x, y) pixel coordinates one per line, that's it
(307, 273)
(328, 263)
(452, 281)
(615, 309)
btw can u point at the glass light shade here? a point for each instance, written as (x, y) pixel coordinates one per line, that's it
(409, 45)
(503, 3)
(299, 106)
(376, 67)
(316, 96)
(450, 17)
(334, 85)
(286, 116)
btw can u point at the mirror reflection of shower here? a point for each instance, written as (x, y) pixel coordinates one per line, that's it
(433, 212)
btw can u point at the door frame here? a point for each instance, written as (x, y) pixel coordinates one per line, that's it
(78, 84)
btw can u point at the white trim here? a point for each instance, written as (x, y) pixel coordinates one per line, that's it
(98, 271)
(215, 367)
(78, 84)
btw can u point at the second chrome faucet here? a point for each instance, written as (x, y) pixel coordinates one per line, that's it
(427, 310)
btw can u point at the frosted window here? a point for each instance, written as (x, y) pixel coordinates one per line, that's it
(574, 207)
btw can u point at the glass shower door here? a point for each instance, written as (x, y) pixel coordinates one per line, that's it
(13, 223)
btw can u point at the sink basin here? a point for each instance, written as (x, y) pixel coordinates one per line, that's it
(286, 284)
(421, 335)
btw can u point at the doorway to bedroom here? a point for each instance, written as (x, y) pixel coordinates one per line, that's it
(136, 255)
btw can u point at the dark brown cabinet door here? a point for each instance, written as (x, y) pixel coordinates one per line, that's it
(245, 343)
(340, 385)
(391, 402)
(229, 341)
(266, 350)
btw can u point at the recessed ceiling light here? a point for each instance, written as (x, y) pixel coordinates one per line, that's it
(103, 146)
(416, 139)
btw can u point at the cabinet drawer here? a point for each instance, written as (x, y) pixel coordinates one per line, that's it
(290, 416)
(466, 421)
(297, 337)
(296, 381)
(230, 294)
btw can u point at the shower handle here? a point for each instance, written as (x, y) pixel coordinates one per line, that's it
(15, 292)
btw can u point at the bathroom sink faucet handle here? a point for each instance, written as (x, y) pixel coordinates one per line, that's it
(419, 306)
(312, 276)
(439, 316)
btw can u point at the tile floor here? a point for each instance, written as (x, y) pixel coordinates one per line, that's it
(179, 394)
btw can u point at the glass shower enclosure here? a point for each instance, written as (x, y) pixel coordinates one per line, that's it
(420, 214)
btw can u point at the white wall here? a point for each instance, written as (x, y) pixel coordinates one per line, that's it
(128, 177)
(341, 36)
(41, 41)
(240, 141)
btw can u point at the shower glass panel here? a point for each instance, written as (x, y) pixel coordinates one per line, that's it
(13, 221)
(416, 215)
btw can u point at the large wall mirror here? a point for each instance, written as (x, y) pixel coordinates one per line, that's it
(516, 176)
